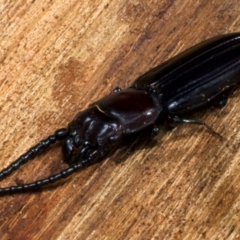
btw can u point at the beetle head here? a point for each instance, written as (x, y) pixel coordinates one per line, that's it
(91, 135)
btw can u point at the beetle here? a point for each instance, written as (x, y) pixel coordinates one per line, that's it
(199, 77)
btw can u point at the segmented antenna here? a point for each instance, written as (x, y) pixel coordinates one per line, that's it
(59, 135)
(40, 183)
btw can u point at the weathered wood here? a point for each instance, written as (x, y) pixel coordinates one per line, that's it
(56, 57)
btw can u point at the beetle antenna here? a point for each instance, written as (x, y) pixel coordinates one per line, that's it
(40, 183)
(59, 135)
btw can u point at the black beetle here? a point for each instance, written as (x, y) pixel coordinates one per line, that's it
(201, 76)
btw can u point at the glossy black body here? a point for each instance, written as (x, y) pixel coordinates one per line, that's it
(132, 108)
(197, 76)
(201, 76)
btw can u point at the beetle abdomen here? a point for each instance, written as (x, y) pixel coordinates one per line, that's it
(202, 83)
(197, 76)
(189, 64)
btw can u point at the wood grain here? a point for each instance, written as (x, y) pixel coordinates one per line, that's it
(56, 57)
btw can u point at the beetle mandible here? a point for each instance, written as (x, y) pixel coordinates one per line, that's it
(201, 76)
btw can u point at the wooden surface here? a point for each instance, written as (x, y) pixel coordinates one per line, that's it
(56, 57)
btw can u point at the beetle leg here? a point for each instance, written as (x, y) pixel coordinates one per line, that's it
(176, 120)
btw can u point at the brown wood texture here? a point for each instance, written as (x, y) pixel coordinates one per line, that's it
(56, 57)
